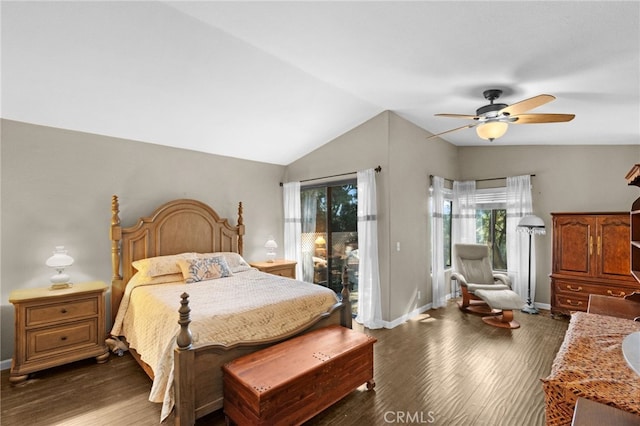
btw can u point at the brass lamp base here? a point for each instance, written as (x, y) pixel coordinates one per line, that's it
(60, 286)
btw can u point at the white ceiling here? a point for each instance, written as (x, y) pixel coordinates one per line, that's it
(272, 81)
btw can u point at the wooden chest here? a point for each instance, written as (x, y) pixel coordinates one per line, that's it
(291, 382)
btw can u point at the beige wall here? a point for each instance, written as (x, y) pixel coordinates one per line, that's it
(57, 187)
(568, 179)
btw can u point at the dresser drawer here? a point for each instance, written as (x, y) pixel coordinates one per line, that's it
(63, 311)
(571, 287)
(572, 302)
(44, 342)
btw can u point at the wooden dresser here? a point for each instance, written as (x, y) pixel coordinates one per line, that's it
(283, 268)
(55, 327)
(591, 255)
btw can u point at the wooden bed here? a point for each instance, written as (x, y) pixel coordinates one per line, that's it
(182, 226)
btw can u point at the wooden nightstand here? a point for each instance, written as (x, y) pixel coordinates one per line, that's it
(55, 327)
(283, 268)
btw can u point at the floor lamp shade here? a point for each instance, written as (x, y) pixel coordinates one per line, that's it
(531, 225)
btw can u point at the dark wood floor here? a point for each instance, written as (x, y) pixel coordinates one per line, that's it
(443, 368)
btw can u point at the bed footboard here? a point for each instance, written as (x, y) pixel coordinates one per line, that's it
(198, 369)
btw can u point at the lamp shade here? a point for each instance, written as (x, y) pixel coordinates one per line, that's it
(531, 224)
(492, 130)
(271, 244)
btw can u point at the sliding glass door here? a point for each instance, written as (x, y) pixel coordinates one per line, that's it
(330, 235)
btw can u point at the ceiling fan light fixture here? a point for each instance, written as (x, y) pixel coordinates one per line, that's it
(492, 130)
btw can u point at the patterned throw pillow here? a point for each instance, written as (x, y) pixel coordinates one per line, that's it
(203, 269)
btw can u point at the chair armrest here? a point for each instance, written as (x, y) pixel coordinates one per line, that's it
(459, 278)
(503, 278)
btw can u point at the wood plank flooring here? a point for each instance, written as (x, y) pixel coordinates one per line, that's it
(442, 368)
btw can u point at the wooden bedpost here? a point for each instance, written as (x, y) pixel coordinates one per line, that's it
(240, 229)
(184, 336)
(346, 299)
(116, 235)
(184, 370)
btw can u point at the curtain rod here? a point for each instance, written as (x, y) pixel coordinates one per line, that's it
(477, 180)
(377, 169)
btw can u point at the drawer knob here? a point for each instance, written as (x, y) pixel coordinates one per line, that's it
(63, 338)
(570, 287)
(63, 311)
(620, 294)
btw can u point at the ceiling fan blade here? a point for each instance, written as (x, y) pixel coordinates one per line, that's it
(471, 117)
(541, 118)
(526, 105)
(468, 126)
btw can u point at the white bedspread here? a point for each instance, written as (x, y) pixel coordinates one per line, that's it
(248, 306)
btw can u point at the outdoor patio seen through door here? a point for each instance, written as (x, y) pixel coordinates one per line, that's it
(330, 236)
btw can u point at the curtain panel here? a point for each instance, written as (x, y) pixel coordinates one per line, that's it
(293, 225)
(438, 286)
(464, 212)
(519, 204)
(309, 209)
(369, 301)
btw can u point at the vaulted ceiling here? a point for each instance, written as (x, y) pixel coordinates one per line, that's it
(272, 81)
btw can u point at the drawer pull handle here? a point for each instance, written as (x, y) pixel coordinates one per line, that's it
(572, 303)
(569, 287)
(63, 338)
(63, 311)
(621, 294)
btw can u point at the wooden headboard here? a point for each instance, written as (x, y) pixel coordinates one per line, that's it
(175, 227)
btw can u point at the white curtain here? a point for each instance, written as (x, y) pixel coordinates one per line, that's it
(309, 208)
(438, 286)
(369, 303)
(464, 212)
(519, 204)
(292, 224)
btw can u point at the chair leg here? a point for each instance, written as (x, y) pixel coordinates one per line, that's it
(503, 321)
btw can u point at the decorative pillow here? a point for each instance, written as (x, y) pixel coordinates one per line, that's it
(195, 270)
(161, 265)
(235, 262)
(203, 268)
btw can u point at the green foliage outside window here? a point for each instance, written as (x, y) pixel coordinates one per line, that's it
(491, 229)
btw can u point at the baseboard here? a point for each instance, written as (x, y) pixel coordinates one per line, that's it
(406, 317)
(544, 306)
(5, 365)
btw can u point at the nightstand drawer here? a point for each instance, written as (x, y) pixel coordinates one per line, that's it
(285, 271)
(282, 268)
(47, 341)
(65, 311)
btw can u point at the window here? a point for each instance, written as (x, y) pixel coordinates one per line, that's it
(446, 217)
(330, 235)
(491, 224)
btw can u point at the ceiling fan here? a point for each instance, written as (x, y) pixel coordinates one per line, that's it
(492, 121)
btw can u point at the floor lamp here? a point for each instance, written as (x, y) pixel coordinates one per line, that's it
(531, 225)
